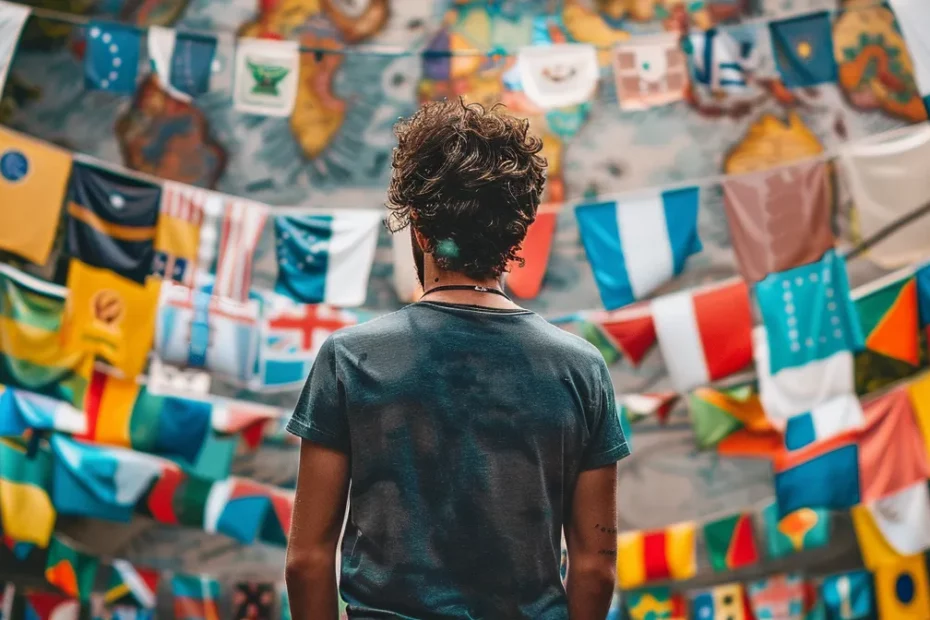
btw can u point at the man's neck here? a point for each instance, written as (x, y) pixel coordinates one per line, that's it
(473, 295)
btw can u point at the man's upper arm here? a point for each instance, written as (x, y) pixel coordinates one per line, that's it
(607, 443)
(320, 414)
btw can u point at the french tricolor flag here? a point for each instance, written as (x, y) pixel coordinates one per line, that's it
(637, 244)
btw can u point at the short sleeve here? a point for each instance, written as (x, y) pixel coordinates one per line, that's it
(320, 415)
(607, 443)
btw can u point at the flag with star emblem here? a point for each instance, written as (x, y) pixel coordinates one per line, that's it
(182, 61)
(803, 49)
(778, 597)
(112, 221)
(848, 596)
(326, 258)
(12, 19)
(70, 570)
(266, 76)
(111, 57)
(808, 314)
(253, 601)
(33, 178)
(292, 333)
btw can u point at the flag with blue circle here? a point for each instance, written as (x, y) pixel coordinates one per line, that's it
(808, 313)
(803, 49)
(111, 59)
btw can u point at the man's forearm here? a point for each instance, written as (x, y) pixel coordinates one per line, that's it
(312, 591)
(590, 587)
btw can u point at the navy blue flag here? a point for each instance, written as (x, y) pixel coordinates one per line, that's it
(803, 49)
(111, 221)
(111, 60)
(182, 61)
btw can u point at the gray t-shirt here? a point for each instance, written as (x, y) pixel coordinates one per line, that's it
(466, 428)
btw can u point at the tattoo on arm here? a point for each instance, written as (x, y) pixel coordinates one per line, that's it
(612, 553)
(606, 529)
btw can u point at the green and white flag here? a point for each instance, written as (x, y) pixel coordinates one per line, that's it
(266, 77)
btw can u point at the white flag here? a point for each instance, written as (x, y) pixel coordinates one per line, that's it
(555, 76)
(12, 19)
(266, 78)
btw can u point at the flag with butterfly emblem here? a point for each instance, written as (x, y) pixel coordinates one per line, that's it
(70, 570)
(177, 235)
(803, 529)
(110, 316)
(196, 329)
(849, 596)
(650, 71)
(558, 75)
(111, 57)
(253, 601)
(803, 49)
(132, 586)
(229, 237)
(637, 244)
(12, 19)
(33, 180)
(326, 258)
(182, 61)
(266, 76)
(195, 597)
(27, 513)
(32, 313)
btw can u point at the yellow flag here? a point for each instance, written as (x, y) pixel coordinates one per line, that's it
(920, 399)
(901, 589)
(110, 316)
(33, 179)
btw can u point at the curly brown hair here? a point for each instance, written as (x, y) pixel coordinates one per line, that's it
(470, 181)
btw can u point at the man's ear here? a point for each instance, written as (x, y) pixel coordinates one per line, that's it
(420, 239)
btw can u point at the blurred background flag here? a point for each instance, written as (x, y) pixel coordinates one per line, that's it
(803, 49)
(111, 57)
(182, 61)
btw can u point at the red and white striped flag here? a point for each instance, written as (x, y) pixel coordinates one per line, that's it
(241, 228)
(177, 236)
(705, 334)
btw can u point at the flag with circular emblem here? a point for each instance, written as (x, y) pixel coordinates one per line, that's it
(803, 49)
(901, 589)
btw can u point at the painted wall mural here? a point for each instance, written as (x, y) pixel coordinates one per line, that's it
(335, 150)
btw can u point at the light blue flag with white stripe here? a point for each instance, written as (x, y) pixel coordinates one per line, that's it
(637, 244)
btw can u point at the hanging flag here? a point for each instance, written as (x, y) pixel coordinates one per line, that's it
(27, 514)
(704, 335)
(526, 281)
(292, 334)
(195, 597)
(801, 530)
(724, 602)
(828, 419)
(779, 219)
(650, 71)
(716, 414)
(33, 178)
(101, 482)
(112, 221)
(901, 589)
(808, 314)
(182, 61)
(230, 234)
(12, 19)
(893, 527)
(637, 245)
(723, 59)
(650, 404)
(406, 284)
(132, 586)
(892, 455)
(824, 474)
(266, 76)
(558, 75)
(778, 597)
(326, 258)
(50, 606)
(253, 601)
(177, 235)
(248, 511)
(630, 331)
(70, 570)
(31, 352)
(887, 182)
(889, 319)
(245, 418)
(182, 430)
(110, 316)
(22, 411)
(108, 404)
(919, 391)
(731, 543)
(111, 57)
(803, 48)
(795, 391)
(654, 604)
(848, 596)
(656, 555)
(198, 330)
(914, 24)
